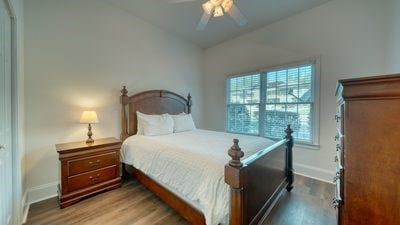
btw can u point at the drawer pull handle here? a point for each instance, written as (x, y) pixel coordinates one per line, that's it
(337, 177)
(335, 203)
(337, 118)
(336, 159)
(338, 148)
(95, 178)
(96, 163)
(337, 137)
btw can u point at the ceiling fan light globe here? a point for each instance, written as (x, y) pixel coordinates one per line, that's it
(218, 11)
(227, 5)
(208, 7)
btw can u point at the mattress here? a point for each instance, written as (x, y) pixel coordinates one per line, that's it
(191, 165)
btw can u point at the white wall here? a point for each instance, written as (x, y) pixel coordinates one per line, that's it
(348, 36)
(78, 54)
(393, 43)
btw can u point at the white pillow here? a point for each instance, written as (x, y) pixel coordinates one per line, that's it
(183, 122)
(139, 124)
(152, 125)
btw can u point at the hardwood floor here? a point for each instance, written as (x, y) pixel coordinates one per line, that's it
(308, 204)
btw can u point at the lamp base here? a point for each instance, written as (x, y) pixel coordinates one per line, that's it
(89, 141)
(89, 134)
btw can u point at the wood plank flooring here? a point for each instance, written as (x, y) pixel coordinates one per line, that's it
(308, 204)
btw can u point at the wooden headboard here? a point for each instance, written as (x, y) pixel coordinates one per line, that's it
(149, 102)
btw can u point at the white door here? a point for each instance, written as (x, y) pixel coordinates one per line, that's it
(6, 203)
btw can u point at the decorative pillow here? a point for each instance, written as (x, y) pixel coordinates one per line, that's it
(152, 125)
(183, 122)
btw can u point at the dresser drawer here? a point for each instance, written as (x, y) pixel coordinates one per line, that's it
(338, 184)
(338, 200)
(87, 179)
(339, 118)
(83, 165)
(339, 156)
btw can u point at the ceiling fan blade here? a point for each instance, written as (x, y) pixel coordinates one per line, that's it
(180, 1)
(203, 21)
(236, 15)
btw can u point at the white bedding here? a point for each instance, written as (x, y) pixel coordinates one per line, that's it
(191, 164)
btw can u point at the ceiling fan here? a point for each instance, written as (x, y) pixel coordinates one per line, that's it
(217, 8)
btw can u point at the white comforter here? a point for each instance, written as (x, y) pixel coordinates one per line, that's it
(192, 163)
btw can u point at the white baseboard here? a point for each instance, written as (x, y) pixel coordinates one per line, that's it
(37, 194)
(314, 172)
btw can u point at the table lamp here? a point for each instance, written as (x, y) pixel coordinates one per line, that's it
(89, 117)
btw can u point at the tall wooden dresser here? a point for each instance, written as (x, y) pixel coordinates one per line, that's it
(368, 151)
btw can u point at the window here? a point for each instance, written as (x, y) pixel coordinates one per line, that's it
(244, 104)
(264, 103)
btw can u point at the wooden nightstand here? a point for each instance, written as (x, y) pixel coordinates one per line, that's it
(87, 169)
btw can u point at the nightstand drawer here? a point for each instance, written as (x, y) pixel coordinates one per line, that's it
(91, 163)
(87, 179)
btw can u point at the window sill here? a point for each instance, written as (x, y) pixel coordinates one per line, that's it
(307, 146)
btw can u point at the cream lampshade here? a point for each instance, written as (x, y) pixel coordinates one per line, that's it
(89, 117)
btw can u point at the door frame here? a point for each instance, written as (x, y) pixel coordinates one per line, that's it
(16, 120)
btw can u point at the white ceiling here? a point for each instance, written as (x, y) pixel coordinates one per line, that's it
(182, 18)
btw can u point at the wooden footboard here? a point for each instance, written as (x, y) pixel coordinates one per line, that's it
(257, 181)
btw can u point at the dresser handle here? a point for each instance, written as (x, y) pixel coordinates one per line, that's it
(338, 148)
(335, 203)
(337, 137)
(93, 179)
(337, 177)
(337, 118)
(94, 163)
(336, 159)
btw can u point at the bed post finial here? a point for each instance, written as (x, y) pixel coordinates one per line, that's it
(289, 162)
(289, 132)
(124, 121)
(189, 103)
(236, 153)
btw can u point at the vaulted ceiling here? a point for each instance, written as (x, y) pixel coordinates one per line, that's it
(182, 18)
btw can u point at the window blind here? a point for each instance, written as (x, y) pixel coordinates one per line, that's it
(243, 104)
(265, 103)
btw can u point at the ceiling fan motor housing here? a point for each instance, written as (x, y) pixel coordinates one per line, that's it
(217, 7)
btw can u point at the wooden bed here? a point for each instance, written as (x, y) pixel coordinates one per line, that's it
(256, 182)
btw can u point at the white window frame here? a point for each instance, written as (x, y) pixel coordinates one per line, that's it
(316, 105)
